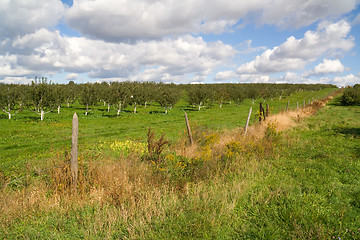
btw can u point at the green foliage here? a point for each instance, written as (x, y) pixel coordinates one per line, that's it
(89, 95)
(351, 95)
(200, 95)
(10, 96)
(119, 95)
(167, 96)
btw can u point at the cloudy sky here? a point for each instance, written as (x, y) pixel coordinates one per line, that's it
(187, 41)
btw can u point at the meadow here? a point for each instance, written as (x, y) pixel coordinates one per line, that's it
(298, 183)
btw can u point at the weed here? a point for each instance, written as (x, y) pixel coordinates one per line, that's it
(155, 147)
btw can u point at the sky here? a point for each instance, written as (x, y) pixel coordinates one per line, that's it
(187, 41)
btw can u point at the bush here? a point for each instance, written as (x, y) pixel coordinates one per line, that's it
(351, 96)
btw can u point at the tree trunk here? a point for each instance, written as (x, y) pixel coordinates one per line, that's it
(108, 107)
(220, 105)
(118, 112)
(87, 108)
(145, 104)
(135, 108)
(42, 114)
(9, 112)
(58, 109)
(166, 111)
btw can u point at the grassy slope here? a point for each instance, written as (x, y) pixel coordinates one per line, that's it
(307, 188)
(26, 140)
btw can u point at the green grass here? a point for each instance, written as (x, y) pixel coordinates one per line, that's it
(303, 183)
(27, 140)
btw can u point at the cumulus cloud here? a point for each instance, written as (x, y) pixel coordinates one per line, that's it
(343, 81)
(130, 20)
(19, 17)
(327, 66)
(72, 76)
(161, 60)
(329, 39)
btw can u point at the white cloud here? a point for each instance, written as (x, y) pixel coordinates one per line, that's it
(225, 76)
(19, 17)
(326, 67)
(301, 13)
(254, 78)
(152, 60)
(130, 20)
(346, 80)
(249, 49)
(72, 76)
(329, 39)
(16, 80)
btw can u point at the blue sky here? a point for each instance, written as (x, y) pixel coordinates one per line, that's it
(203, 41)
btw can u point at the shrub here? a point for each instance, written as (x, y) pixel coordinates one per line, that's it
(351, 96)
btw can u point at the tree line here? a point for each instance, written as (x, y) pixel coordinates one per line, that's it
(43, 96)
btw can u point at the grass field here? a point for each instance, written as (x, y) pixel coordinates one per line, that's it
(301, 183)
(25, 139)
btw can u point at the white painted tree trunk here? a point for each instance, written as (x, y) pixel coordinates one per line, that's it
(42, 114)
(87, 108)
(145, 104)
(9, 112)
(118, 112)
(68, 104)
(135, 108)
(108, 107)
(58, 109)
(166, 111)
(220, 105)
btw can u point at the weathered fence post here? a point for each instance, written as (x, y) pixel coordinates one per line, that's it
(261, 113)
(287, 106)
(297, 105)
(188, 129)
(74, 149)
(304, 103)
(247, 122)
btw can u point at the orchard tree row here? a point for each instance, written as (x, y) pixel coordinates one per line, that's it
(42, 96)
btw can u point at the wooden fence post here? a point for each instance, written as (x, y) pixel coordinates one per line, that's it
(297, 105)
(74, 149)
(188, 129)
(304, 104)
(247, 122)
(287, 106)
(261, 113)
(267, 110)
